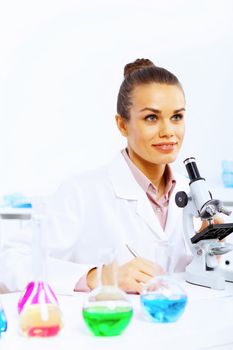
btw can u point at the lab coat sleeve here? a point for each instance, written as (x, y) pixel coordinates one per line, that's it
(16, 272)
(61, 229)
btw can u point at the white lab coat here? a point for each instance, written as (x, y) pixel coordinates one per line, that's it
(91, 218)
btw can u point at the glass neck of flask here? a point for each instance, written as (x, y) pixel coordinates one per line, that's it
(39, 251)
(109, 274)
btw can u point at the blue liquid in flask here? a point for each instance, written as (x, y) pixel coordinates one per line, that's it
(3, 321)
(162, 309)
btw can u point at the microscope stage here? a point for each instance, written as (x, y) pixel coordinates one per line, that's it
(213, 231)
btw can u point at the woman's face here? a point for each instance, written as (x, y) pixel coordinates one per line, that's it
(155, 130)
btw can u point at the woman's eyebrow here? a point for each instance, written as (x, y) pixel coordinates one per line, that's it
(158, 111)
(179, 110)
(150, 109)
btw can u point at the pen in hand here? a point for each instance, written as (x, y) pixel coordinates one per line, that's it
(132, 251)
(159, 269)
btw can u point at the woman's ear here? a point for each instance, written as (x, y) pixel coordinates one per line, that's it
(121, 124)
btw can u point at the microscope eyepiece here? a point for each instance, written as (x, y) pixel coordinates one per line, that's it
(191, 167)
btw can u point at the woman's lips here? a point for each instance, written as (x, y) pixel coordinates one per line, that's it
(165, 147)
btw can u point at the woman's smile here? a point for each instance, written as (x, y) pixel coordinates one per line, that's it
(165, 147)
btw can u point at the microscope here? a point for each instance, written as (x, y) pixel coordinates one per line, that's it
(207, 244)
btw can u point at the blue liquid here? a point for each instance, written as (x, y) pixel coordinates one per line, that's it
(162, 309)
(3, 322)
(227, 179)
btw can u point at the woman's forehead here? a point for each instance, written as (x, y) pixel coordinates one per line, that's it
(157, 96)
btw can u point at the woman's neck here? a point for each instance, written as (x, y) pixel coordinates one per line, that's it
(154, 172)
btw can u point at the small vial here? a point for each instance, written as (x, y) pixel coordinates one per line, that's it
(3, 321)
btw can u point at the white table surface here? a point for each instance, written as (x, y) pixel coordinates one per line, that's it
(207, 323)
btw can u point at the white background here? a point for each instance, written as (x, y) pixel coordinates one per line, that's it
(61, 65)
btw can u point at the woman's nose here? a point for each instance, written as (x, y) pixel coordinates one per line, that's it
(166, 130)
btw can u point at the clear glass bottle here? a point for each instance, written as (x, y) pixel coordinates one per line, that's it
(39, 311)
(163, 299)
(107, 310)
(227, 173)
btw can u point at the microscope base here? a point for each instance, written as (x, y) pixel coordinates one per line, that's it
(210, 279)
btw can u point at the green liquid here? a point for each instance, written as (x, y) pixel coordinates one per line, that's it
(103, 321)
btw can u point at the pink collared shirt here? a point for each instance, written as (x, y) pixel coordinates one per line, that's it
(160, 206)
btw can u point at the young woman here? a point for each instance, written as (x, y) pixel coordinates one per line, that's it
(128, 206)
(150, 114)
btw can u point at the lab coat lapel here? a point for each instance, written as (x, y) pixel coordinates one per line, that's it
(126, 187)
(173, 215)
(145, 210)
(174, 212)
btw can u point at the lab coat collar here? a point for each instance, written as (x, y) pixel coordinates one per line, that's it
(127, 188)
(122, 179)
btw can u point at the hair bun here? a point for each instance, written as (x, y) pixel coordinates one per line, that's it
(139, 63)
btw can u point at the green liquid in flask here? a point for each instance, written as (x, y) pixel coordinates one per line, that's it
(104, 321)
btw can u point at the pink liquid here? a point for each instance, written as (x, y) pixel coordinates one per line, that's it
(43, 331)
(40, 320)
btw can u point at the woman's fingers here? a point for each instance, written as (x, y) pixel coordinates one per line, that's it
(132, 275)
(148, 267)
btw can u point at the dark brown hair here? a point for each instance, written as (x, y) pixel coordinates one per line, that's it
(141, 72)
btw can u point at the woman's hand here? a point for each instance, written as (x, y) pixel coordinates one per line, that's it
(131, 276)
(217, 220)
(135, 273)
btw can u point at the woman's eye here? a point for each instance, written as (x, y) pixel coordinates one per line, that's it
(177, 117)
(151, 117)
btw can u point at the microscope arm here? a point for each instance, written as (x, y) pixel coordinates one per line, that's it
(188, 224)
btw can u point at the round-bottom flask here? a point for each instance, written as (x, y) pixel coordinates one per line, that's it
(39, 312)
(163, 299)
(107, 311)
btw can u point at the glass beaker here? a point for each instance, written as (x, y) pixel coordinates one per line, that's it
(163, 299)
(107, 310)
(3, 320)
(227, 173)
(39, 312)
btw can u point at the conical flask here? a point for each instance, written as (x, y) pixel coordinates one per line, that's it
(39, 312)
(3, 320)
(107, 310)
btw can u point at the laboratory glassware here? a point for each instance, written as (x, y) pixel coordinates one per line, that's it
(39, 311)
(107, 310)
(11, 211)
(3, 320)
(227, 173)
(163, 299)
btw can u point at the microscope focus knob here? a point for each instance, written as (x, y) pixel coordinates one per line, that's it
(181, 199)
